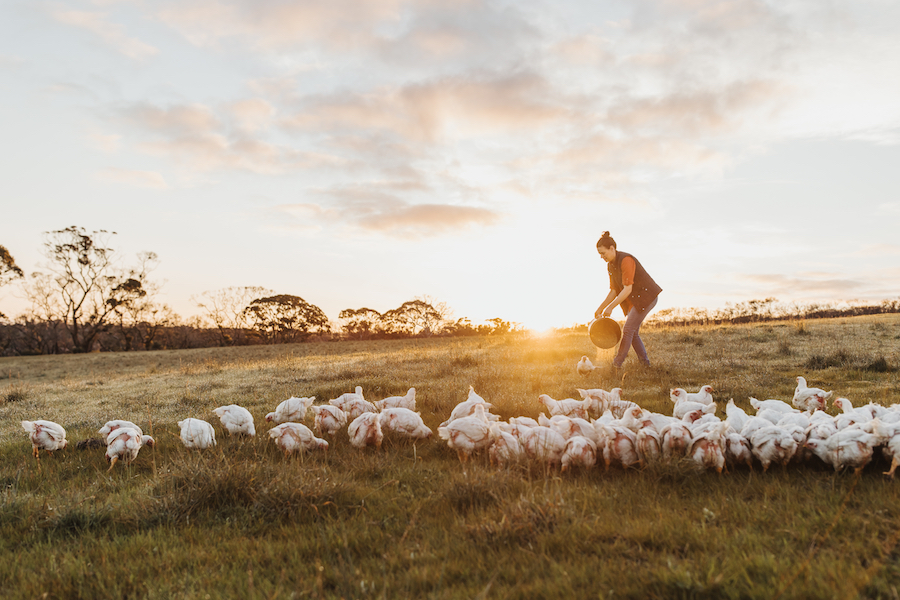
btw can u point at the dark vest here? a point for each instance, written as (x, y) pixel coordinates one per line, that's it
(644, 290)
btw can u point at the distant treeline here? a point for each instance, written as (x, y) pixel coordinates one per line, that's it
(758, 311)
(81, 301)
(770, 309)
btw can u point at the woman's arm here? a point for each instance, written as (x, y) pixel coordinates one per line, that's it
(609, 298)
(626, 291)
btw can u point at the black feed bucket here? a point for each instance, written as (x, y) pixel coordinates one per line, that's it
(605, 333)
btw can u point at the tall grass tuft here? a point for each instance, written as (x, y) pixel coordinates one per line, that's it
(16, 393)
(222, 488)
(879, 365)
(838, 359)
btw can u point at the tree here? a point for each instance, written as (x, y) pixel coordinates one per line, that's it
(9, 270)
(138, 317)
(81, 286)
(286, 318)
(360, 322)
(412, 318)
(226, 309)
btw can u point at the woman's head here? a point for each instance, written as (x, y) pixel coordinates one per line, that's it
(606, 247)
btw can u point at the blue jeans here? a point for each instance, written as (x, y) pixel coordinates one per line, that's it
(630, 337)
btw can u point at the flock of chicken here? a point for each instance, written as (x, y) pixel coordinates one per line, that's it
(600, 428)
(368, 422)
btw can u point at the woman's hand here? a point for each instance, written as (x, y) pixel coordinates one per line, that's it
(608, 311)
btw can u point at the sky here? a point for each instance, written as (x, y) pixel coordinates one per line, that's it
(367, 152)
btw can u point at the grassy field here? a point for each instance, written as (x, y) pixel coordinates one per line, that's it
(243, 521)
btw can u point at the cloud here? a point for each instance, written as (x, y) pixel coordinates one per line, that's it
(210, 152)
(105, 142)
(111, 33)
(889, 208)
(615, 154)
(198, 138)
(445, 37)
(878, 250)
(176, 120)
(146, 179)
(585, 50)
(280, 24)
(698, 113)
(252, 115)
(429, 218)
(819, 285)
(7, 61)
(379, 208)
(451, 108)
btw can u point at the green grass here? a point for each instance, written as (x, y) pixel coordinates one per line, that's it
(244, 521)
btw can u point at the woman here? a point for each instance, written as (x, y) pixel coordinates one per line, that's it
(631, 288)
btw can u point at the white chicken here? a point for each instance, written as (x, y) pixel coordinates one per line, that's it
(45, 435)
(703, 396)
(296, 437)
(517, 425)
(773, 444)
(404, 422)
(407, 401)
(568, 407)
(291, 410)
(704, 424)
(579, 452)
(124, 443)
(657, 421)
(633, 419)
(197, 433)
(365, 430)
(524, 421)
(598, 401)
(585, 366)
(847, 408)
(340, 400)
(797, 419)
(852, 448)
(467, 407)
(752, 425)
(111, 426)
(891, 444)
(708, 449)
(568, 426)
(772, 416)
(504, 447)
(675, 439)
(648, 445)
(737, 449)
(544, 445)
(735, 416)
(357, 406)
(681, 409)
(820, 446)
(810, 399)
(328, 419)
(623, 447)
(772, 405)
(467, 435)
(236, 419)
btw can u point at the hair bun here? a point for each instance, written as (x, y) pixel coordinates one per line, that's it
(606, 241)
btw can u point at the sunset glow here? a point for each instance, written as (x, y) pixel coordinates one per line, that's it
(367, 152)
